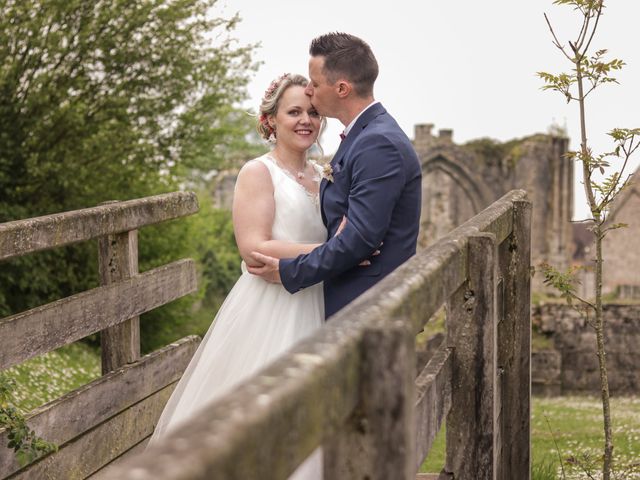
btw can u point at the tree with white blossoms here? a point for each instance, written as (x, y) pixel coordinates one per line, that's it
(602, 182)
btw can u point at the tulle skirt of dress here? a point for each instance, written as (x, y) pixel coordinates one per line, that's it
(257, 322)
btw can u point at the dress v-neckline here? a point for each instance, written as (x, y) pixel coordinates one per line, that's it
(314, 197)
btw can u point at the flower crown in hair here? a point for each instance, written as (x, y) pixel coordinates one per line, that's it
(273, 86)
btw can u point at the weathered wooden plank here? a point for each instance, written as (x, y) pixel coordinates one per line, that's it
(425, 283)
(514, 351)
(88, 453)
(31, 235)
(433, 401)
(496, 219)
(377, 442)
(434, 476)
(117, 261)
(471, 333)
(68, 417)
(126, 456)
(265, 427)
(50, 326)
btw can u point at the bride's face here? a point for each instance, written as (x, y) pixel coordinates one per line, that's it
(297, 123)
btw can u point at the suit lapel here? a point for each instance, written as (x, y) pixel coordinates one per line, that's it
(336, 162)
(323, 186)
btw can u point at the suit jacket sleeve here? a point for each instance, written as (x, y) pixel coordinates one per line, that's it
(377, 179)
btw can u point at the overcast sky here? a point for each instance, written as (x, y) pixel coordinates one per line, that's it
(465, 65)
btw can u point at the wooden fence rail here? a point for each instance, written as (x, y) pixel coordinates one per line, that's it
(34, 234)
(114, 414)
(353, 387)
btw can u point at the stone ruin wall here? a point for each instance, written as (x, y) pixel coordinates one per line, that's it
(461, 180)
(569, 364)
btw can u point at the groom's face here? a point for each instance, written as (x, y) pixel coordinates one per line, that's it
(319, 90)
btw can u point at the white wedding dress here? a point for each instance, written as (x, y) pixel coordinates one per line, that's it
(258, 320)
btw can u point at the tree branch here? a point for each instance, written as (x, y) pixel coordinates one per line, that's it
(556, 41)
(585, 28)
(624, 166)
(595, 27)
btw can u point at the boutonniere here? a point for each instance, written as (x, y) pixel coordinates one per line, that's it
(327, 172)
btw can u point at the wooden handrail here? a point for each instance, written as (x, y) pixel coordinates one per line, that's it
(21, 237)
(67, 320)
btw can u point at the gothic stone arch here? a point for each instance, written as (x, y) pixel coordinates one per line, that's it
(451, 194)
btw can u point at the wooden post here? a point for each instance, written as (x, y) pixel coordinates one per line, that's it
(514, 351)
(118, 260)
(471, 333)
(377, 441)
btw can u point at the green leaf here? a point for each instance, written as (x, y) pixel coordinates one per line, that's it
(615, 226)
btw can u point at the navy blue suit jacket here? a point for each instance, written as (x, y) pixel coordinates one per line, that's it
(377, 184)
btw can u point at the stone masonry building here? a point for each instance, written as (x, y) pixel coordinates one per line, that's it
(459, 181)
(621, 252)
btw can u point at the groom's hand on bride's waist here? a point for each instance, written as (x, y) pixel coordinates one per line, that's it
(269, 269)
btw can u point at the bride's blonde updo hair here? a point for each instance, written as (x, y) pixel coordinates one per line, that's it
(271, 100)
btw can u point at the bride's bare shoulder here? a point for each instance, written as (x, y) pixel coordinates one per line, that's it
(254, 174)
(254, 167)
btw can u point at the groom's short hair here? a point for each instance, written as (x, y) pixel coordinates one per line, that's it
(349, 57)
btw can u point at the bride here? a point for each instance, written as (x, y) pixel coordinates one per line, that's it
(276, 211)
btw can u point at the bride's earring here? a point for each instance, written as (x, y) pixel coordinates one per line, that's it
(272, 136)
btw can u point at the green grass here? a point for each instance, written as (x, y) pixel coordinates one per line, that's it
(576, 423)
(53, 374)
(435, 460)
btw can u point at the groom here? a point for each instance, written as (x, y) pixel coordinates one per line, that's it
(374, 180)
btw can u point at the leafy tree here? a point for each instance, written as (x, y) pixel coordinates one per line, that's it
(589, 71)
(105, 101)
(98, 97)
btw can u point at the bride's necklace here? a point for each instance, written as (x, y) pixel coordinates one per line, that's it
(298, 175)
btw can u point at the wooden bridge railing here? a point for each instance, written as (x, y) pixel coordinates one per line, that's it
(108, 417)
(354, 389)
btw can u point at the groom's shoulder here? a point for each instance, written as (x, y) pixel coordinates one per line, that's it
(385, 126)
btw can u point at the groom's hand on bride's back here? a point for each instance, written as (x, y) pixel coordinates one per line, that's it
(269, 268)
